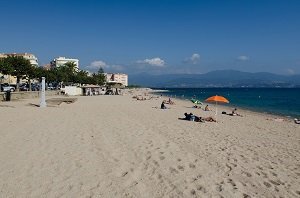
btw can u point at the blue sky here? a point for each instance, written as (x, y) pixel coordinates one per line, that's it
(166, 36)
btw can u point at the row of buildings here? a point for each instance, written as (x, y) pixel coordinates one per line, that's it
(58, 62)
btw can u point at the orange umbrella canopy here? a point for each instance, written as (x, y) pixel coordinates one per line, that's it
(217, 99)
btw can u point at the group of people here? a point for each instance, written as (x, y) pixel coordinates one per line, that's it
(191, 117)
(206, 108)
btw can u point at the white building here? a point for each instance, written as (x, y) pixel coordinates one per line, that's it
(32, 58)
(60, 61)
(117, 78)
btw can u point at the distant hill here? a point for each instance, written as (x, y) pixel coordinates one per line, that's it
(219, 78)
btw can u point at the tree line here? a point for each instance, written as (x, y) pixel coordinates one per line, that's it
(66, 74)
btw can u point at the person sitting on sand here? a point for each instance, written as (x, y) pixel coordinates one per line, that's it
(297, 121)
(206, 108)
(170, 102)
(163, 106)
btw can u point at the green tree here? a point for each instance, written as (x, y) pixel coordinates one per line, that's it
(20, 67)
(67, 72)
(82, 77)
(30, 74)
(5, 68)
(99, 78)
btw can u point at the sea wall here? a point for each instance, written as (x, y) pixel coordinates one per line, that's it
(26, 95)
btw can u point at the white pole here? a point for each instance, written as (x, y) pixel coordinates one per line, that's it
(216, 110)
(43, 98)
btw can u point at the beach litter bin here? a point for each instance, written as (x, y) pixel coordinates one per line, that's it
(7, 95)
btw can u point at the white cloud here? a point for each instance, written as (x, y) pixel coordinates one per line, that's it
(153, 62)
(95, 65)
(194, 59)
(243, 58)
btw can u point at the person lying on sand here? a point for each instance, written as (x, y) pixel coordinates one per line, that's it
(209, 119)
(297, 121)
(187, 116)
(197, 107)
(234, 113)
(191, 117)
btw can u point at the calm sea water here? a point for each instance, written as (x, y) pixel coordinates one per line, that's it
(280, 101)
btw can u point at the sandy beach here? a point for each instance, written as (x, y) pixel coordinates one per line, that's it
(117, 146)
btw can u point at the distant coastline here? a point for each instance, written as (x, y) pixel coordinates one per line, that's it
(218, 78)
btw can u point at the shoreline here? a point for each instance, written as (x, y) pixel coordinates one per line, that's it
(230, 105)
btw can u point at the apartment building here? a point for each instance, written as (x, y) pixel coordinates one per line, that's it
(31, 57)
(117, 78)
(60, 61)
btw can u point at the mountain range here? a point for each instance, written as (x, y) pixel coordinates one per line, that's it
(219, 78)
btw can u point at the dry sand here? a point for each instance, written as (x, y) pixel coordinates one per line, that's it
(116, 146)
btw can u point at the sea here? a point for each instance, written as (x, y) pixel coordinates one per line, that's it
(277, 101)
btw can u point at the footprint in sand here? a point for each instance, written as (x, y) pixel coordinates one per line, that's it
(193, 192)
(161, 157)
(201, 188)
(180, 168)
(232, 183)
(192, 165)
(247, 174)
(159, 176)
(124, 174)
(173, 170)
(275, 175)
(265, 175)
(277, 183)
(156, 163)
(246, 196)
(268, 185)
